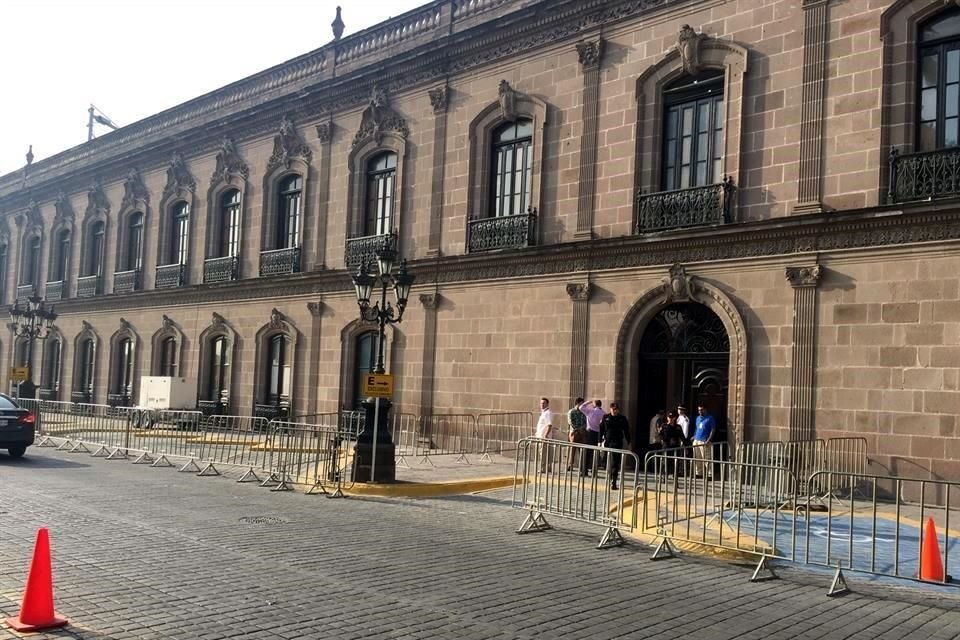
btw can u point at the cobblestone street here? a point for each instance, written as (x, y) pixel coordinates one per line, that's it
(152, 553)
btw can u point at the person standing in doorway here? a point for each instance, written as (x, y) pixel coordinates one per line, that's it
(684, 421)
(703, 443)
(593, 411)
(578, 430)
(616, 435)
(545, 431)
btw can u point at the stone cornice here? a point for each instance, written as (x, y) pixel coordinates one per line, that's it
(822, 233)
(412, 49)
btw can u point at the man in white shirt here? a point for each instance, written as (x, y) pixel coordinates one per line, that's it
(594, 413)
(684, 421)
(545, 431)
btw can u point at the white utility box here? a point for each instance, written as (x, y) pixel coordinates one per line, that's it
(165, 392)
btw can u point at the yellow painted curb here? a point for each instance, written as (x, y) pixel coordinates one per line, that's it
(429, 489)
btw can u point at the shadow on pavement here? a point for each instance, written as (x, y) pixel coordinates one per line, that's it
(37, 462)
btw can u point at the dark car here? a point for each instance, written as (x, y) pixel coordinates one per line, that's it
(17, 427)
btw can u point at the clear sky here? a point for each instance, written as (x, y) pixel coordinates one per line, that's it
(134, 58)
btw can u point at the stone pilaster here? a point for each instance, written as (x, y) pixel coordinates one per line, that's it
(316, 332)
(439, 98)
(804, 281)
(325, 137)
(430, 302)
(590, 53)
(579, 293)
(815, 34)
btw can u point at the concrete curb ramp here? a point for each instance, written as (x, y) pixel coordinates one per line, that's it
(429, 489)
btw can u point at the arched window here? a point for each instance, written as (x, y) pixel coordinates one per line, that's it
(52, 355)
(30, 271)
(86, 361)
(179, 234)
(93, 264)
(381, 177)
(228, 229)
(512, 168)
(278, 372)
(938, 119)
(134, 256)
(121, 393)
(365, 361)
(288, 218)
(61, 256)
(218, 373)
(693, 131)
(168, 357)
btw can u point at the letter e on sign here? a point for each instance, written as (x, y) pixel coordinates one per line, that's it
(378, 385)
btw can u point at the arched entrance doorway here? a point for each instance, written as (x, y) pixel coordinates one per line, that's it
(684, 358)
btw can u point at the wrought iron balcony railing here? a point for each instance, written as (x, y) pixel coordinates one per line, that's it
(280, 262)
(54, 291)
(503, 232)
(270, 411)
(363, 250)
(924, 176)
(212, 408)
(119, 400)
(85, 397)
(220, 269)
(170, 276)
(126, 281)
(88, 286)
(696, 206)
(25, 291)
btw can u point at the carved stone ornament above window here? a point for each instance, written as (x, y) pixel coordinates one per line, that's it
(288, 146)
(168, 324)
(681, 284)
(688, 45)
(590, 52)
(30, 218)
(379, 118)
(439, 97)
(179, 179)
(579, 291)
(63, 208)
(217, 323)
(507, 98)
(135, 193)
(230, 166)
(803, 276)
(276, 319)
(96, 200)
(325, 132)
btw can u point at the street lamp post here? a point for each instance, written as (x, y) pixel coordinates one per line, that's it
(30, 321)
(375, 439)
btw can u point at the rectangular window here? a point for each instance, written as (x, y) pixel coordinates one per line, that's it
(693, 143)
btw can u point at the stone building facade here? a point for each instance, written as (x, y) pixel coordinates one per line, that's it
(750, 204)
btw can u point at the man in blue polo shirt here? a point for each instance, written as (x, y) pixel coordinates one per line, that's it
(703, 443)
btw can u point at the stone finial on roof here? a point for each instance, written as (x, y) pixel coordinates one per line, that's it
(337, 25)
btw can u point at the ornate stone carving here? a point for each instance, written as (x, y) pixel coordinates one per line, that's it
(63, 209)
(803, 276)
(86, 327)
(507, 98)
(97, 202)
(379, 118)
(178, 177)
(277, 320)
(688, 45)
(590, 52)
(287, 147)
(124, 324)
(325, 132)
(135, 193)
(438, 99)
(230, 166)
(217, 323)
(337, 26)
(579, 291)
(315, 308)
(681, 285)
(430, 300)
(168, 324)
(30, 219)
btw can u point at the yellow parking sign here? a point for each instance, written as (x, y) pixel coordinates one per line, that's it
(18, 374)
(378, 385)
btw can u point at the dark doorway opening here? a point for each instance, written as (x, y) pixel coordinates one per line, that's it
(684, 360)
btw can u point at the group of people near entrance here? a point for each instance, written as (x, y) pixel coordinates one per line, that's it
(589, 424)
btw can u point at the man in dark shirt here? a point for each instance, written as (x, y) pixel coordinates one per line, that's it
(616, 435)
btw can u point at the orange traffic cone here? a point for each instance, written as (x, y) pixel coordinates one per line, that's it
(36, 612)
(931, 565)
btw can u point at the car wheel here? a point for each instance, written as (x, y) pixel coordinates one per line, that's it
(17, 452)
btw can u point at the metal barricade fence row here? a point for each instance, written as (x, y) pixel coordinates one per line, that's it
(562, 479)
(447, 434)
(316, 455)
(499, 433)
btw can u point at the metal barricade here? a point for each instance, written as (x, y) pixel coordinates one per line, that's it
(318, 456)
(878, 531)
(403, 427)
(547, 483)
(447, 434)
(689, 459)
(743, 507)
(500, 432)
